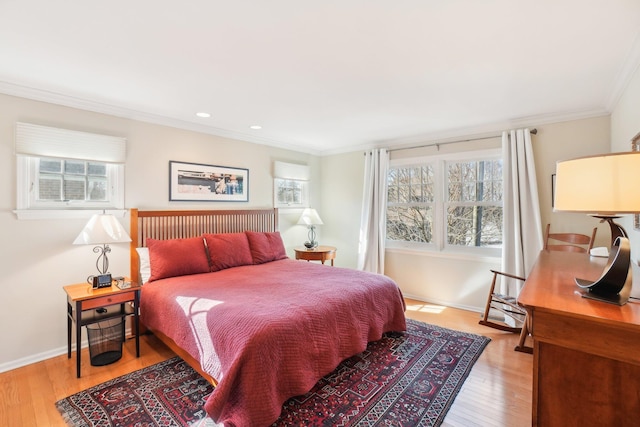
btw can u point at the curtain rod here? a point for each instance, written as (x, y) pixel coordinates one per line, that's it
(438, 144)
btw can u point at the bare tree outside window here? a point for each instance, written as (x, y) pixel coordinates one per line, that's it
(472, 203)
(410, 204)
(64, 180)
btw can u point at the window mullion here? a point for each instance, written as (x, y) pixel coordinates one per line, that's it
(440, 228)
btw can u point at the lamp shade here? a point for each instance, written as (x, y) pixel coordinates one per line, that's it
(102, 229)
(604, 185)
(310, 217)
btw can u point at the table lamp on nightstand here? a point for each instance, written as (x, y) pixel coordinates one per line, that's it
(102, 229)
(603, 186)
(310, 218)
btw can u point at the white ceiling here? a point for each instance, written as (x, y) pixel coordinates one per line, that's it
(324, 76)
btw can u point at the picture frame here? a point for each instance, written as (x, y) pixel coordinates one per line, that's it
(197, 182)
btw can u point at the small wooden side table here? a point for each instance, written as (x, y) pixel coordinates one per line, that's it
(319, 253)
(82, 302)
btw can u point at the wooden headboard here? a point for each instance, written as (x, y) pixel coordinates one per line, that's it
(163, 225)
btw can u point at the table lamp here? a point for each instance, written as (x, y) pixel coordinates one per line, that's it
(605, 187)
(310, 218)
(102, 229)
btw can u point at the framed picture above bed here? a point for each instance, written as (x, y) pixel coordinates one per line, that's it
(195, 182)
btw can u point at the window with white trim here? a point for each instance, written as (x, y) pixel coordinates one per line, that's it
(61, 169)
(447, 202)
(291, 185)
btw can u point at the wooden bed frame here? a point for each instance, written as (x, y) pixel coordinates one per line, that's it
(176, 224)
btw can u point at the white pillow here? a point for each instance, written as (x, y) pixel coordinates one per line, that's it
(144, 264)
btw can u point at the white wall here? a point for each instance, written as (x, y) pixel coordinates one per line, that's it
(341, 195)
(37, 257)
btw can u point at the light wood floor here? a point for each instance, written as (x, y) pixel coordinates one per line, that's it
(496, 393)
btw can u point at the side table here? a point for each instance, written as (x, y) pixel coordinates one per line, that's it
(319, 253)
(82, 302)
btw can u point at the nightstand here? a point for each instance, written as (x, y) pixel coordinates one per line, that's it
(319, 253)
(83, 302)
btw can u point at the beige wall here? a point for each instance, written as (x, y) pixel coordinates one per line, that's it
(37, 256)
(562, 141)
(625, 124)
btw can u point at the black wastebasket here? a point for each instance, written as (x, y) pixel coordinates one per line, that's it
(105, 341)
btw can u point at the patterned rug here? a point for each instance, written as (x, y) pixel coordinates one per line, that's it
(404, 379)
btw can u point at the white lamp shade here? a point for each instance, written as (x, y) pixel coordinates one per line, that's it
(102, 229)
(606, 184)
(310, 217)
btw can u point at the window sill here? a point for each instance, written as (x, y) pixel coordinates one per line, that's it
(444, 254)
(65, 213)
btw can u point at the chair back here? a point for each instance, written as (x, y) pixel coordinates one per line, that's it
(570, 242)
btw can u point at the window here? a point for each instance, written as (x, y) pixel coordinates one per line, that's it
(65, 183)
(66, 170)
(447, 202)
(290, 192)
(291, 185)
(474, 203)
(410, 203)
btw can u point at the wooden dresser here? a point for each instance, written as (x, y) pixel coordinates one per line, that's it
(586, 353)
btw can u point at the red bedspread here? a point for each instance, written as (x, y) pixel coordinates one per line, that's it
(269, 332)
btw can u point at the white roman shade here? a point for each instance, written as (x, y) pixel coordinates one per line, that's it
(285, 170)
(43, 141)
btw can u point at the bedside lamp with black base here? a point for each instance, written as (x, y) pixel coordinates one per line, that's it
(604, 186)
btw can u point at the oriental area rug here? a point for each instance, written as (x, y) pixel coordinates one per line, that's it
(404, 379)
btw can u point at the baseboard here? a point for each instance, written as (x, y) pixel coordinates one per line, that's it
(19, 363)
(39, 357)
(444, 303)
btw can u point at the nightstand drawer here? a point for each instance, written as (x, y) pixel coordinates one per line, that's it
(107, 300)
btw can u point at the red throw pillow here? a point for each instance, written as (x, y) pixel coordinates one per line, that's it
(228, 250)
(177, 257)
(266, 247)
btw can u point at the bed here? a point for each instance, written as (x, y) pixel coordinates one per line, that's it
(220, 291)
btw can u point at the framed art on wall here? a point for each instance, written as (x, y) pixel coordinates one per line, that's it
(195, 182)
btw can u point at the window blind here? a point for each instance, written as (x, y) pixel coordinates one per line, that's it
(44, 141)
(284, 170)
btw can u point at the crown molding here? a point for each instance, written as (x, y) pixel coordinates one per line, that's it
(443, 136)
(483, 131)
(625, 74)
(98, 107)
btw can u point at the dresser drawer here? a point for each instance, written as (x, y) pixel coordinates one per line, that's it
(107, 300)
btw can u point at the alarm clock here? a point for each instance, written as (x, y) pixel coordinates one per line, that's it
(102, 281)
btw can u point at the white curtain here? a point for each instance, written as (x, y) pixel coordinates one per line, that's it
(374, 206)
(522, 234)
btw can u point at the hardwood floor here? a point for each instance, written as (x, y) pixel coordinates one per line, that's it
(498, 390)
(496, 393)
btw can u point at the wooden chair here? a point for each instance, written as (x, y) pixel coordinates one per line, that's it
(572, 242)
(508, 305)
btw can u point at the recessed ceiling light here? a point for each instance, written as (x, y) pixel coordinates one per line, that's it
(203, 115)
(256, 127)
